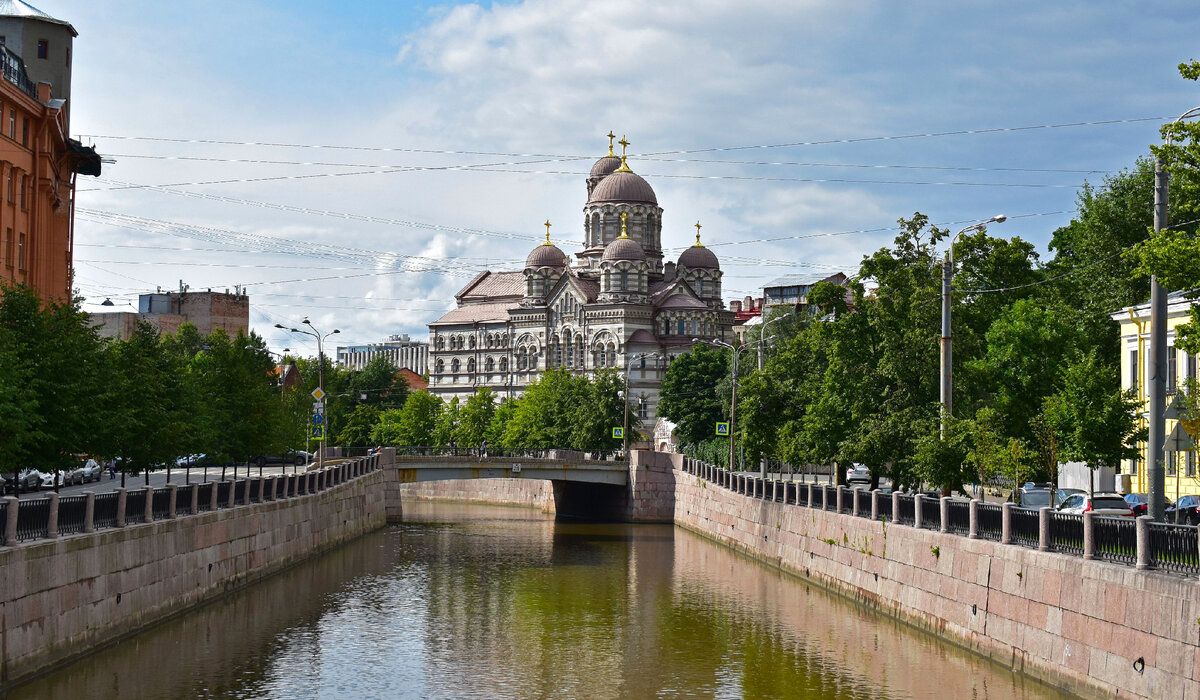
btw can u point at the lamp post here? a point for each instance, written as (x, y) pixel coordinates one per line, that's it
(735, 350)
(320, 371)
(625, 430)
(763, 333)
(947, 339)
(1157, 361)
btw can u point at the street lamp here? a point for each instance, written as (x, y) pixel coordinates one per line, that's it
(1157, 362)
(736, 352)
(625, 430)
(947, 340)
(320, 370)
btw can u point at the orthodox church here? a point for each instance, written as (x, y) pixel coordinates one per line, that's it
(617, 305)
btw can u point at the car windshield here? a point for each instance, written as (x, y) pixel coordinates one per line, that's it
(1035, 498)
(1109, 502)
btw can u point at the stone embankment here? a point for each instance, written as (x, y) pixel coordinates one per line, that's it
(66, 595)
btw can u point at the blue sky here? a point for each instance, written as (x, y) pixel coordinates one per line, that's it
(414, 86)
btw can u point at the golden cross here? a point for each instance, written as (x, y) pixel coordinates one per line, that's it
(611, 136)
(697, 233)
(548, 232)
(624, 145)
(623, 234)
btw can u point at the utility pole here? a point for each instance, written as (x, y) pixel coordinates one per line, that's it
(947, 388)
(1156, 379)
(733, 410)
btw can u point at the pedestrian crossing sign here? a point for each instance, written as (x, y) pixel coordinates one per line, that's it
(723, 429)
(618, 433)
(316, 432)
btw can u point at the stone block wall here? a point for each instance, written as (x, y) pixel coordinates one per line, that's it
(652, 486)
(530, 493)
(1081, 625)
(64, 597)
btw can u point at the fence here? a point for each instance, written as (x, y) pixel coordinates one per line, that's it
(39, 518)
(1168, 547)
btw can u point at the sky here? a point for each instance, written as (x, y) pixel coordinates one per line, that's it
(358, 163)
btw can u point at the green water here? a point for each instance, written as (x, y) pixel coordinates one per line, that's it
(479, 602)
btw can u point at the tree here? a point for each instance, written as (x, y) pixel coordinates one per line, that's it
(548, 414)
(445, 431)
(414, 424)
(688, 398)
(1094, 420)
(476, 417)
(356, 432)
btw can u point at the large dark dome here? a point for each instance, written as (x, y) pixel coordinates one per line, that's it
(698, 257)
(546, 255)
(625, 187)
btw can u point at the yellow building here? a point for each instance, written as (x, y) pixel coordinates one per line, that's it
(1181, 476)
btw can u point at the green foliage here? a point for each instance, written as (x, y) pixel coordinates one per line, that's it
(1095, 421)
(446, 428)
(357, 429)
(689, 398)
(476, 417)
(414, 424)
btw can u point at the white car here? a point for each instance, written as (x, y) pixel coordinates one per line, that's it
(49, 477)
(88, 471)
(858, 474)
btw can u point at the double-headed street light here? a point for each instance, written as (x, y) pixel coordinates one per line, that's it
(629, 359)
(735, 351)
(947, 340)
(320, 369)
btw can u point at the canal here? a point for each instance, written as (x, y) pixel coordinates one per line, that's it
(485, 602)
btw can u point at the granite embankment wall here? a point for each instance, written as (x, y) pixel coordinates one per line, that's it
(1078, 624)
(65, 597)
(529, 493)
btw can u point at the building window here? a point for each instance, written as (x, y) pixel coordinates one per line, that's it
(624, 280)
(12, 124)
(503, 364)
(454, 365)
(489, 365)
(681, 327)
(1191, 464)
(441, 367)
(471, 365)
(1172, 365)
(8, 248)
(24, 179)
(1169, 458)
(43, 48)
(1133, 371)
(21, 252)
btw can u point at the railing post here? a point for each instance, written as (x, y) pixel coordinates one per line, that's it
(1006, 523)
(246, 494)
(10, 527)
(149, 510)
(194, 497)
(944, 513)
(89, 512)
(122, 497)
(1044, 529)
(1089, 535)
(232, 494)
(874, 504)
(274, 487)
(973, 530)
(918, 510)
(261, 483)
(52, 517)
(212, 497)
(172, 501)
(841, 494)
(855, 501)
(1144, 553)
(895, 506)
(810, 488)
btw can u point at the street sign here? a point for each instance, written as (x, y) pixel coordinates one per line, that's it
(723, 429)
(318, 394)
(618, 433)
(1179, 441)
(318, 419)
(1176, 408)
(316, 432)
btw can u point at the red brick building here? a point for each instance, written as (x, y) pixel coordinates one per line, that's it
(38, 160)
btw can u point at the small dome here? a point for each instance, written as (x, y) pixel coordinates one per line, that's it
(623, 186)
(624, 248)
(698, 257)
(546, 255)
(605, 166)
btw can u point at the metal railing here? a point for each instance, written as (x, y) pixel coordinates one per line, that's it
(204, 497)
(105, 513)
(1066, 532)
(931, 514)
(958, 516)
(72, 514)
(885, 508)
(161, 505)
(908, 510)
(33, 519)
(1025, 527)
(1116, 539)
(526, 453)
(183, 501)
(223, 488)
(1174, 548)
(818, 498)
(135, 506)
(847, 500)
(989, 521)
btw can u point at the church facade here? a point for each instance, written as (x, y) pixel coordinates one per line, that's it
(617, 305)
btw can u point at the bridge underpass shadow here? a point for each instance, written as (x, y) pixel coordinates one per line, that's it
(578, 500)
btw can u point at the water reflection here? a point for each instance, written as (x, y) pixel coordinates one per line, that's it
(474, 602)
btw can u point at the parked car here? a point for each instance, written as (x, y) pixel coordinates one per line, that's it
(296, 457)
(858, 474)
(1063, 493)
(89, 471)
(1108, 503)
(27, 479)
(48, 479)
(1036, 496)
(1140, 502)
(1187, 508)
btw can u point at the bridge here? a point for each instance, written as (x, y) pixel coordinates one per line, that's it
(608, 485)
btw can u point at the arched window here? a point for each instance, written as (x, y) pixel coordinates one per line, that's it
(503, 364)
(681, 327)
(522, 359)
(666, 326)
(581, 350)
(489, 365)
(441, 343)
(607, 280)
(695, 327)
(568, 356)
(471, 365)
(612, 355)
(624, 280)
(471, 342)
(454, 365)
(533, 359)
(441, 367)
(598, 357)
(558, 358)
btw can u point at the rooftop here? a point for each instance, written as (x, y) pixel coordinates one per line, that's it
(17, 8)
(802, 279)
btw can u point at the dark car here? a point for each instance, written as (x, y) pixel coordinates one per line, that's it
(296, 457)
(1139, 502)
(1036, 496)
(1186, 507)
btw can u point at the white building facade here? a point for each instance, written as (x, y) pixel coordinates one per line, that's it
(400, 350)
(618, 305)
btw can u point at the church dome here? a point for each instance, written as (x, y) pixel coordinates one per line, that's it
(546, 255)
(624, 248)
(605, 166)
(623, 186)
(698, 257)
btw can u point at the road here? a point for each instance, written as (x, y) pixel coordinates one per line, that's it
(158, 479)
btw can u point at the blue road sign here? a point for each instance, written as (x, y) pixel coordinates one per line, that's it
(618, 433)
(318, 419)
(723, 429)
(316, 432)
